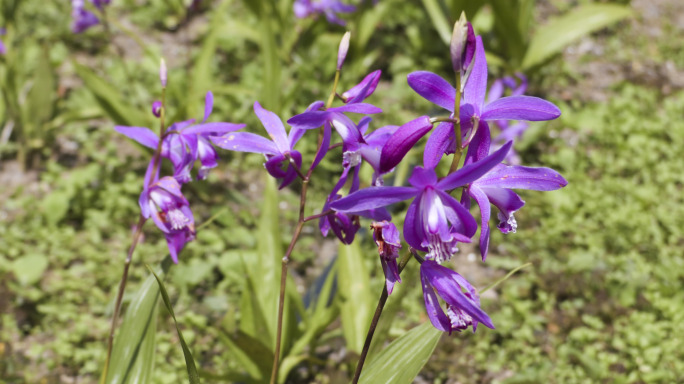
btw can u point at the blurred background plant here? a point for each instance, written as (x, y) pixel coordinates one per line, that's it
(602, 300)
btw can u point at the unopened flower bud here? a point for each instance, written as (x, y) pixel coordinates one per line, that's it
(162, 73)
(342, 51)
(156, 108)
(458, 42)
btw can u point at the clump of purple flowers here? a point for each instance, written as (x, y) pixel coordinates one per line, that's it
(436, 222)
(183, 144)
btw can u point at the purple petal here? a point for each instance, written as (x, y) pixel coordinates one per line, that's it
(526, 108)
(245, 142)
(142, 135)
(374, 197)
(422, 177)
(505, 200)
(362, 90)
(391, 271)
(519, 177)
(345, 127)
(413, 228)
(274, 126)
(479, 145)
(435, 312)
(208, 105)
(485, 213)
(309, 120)
(402, 141)
(213, 128)
(433, 88)
(468, 224)
(476, 86)
(472, 172)
(364, 108)
(439, 142)
(325, 144)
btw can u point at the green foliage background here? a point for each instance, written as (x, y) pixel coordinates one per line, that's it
(602, 301)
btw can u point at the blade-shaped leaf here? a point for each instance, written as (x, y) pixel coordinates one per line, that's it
(110, 100)
(132, 357)
(439, 20)
(193, 376)
(357, 299)
(558, 33)
(403, 359)
(41, 98)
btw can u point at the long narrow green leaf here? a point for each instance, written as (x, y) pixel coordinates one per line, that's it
(402, 360)
(132, 359)
(109, 99)
(43, 94)
(193, 376)
(439, 19)
(558, 33)
(357, 299)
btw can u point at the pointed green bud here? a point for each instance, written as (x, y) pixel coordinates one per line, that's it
(458, 42)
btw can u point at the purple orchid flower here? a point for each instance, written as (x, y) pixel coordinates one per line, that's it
(387, 239)
(435, 221)
(495, 187)
(462, 308)
(278, 152)
(508, 131)
(184, 143)
(473, 109)
(345, 224)
(165, 204)
(329, 8)
(83, 19)
(3, 49)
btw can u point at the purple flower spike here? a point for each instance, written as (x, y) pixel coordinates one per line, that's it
(82, 19)
(277, 152)
(435, 221)
(170, 211)
(401, 142)
(386, 237)
(462, 308)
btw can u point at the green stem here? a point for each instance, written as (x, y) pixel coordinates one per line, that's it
(375, 321)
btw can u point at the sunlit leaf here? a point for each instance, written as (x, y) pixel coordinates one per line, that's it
(132, 358)
(404, 358)
(439, 19)
(193, 377)
(110, 100)
(354, 291)
(558, 33)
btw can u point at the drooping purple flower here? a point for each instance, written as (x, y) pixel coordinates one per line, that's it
(435, 221)
(156, 108)
(277, 152)
(83, 19)
(185, 142)
(473, 108)
(329, 8)
(495, 186)
(462, 308)
(165, 204)
(387, 239)
(345, 224)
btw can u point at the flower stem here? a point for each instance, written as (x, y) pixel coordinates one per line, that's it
(331, 98)
(119, 296)
(374, 322)
(283, 275)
